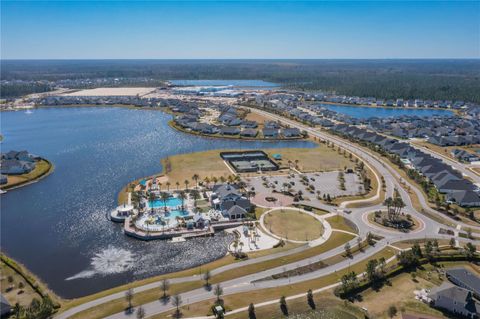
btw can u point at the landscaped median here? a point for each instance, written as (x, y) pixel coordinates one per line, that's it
(402, 223)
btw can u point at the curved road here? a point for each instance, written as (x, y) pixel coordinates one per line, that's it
(248, 283)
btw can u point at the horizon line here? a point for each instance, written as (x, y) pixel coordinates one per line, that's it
(230, 59)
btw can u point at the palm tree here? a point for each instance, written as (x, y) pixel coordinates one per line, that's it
(196, 196)
(160, 186)
(151, 197)
(178, 184)
(168, 186)
(182, 196)
(222, 179)
(177, 302)
(207, 181)
(164, 196)
(195, 177)
(399, 204)
(388, 202)
(186, 182)
(215, 180)
(241, 245)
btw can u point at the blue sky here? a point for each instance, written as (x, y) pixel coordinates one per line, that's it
(230, 29)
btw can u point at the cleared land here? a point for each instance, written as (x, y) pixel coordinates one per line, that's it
(254, 116)
(112, 92)
(205, 164)
(293, 225)
(321, 158)
(42, 168)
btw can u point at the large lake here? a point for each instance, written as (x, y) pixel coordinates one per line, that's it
(366, 112)
(236, 83)
(58, 227)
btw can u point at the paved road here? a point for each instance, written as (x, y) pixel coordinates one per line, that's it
(247, 283)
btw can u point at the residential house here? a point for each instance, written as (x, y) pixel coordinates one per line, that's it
(464, 278)
(270, 133)
(291, 132)
(229, 130)
(249, 132)
(456, 300)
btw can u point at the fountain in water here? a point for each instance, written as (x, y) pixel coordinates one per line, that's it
(111, 260)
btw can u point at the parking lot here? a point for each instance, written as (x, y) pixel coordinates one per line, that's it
(327, 183)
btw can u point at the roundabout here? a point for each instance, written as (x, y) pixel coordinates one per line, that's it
(375, 219)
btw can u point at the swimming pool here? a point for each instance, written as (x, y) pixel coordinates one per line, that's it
(176, 213)
(171, 202)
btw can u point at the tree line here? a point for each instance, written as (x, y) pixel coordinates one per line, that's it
(387, 79)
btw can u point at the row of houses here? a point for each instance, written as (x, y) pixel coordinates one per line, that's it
(100, 100)
(205, 128)
(17, 163)
(372, 101)
(438, 130)
(231, 123)
(447, 180)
